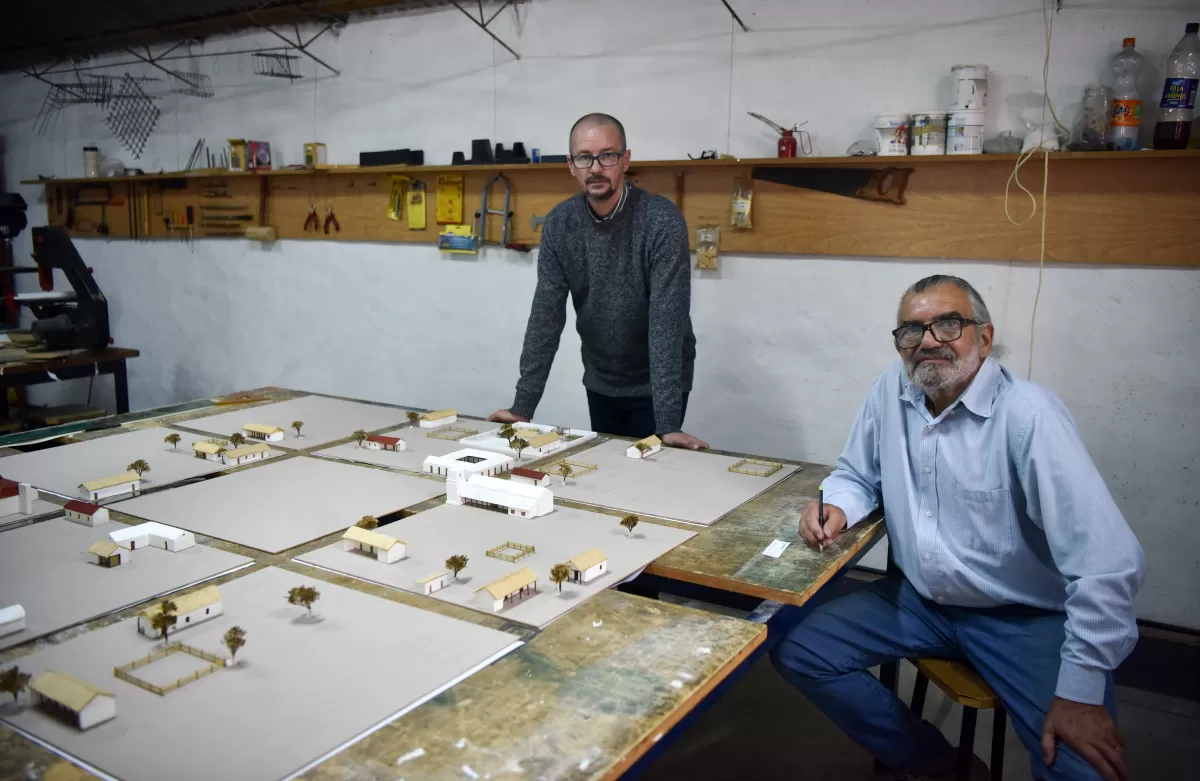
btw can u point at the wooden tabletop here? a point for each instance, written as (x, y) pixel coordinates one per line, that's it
(585, 697)
(43, 360)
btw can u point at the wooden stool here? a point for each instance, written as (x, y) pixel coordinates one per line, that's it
(962, 684)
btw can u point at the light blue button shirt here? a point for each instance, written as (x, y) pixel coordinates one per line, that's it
(996, 501)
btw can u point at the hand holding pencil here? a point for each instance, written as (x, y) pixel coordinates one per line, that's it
(821, 523)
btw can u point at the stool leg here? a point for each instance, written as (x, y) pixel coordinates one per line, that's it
(999, 725)
(920, 687)
(889, 674)
(966, 744)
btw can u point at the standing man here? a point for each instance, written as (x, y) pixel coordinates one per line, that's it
(1012, 554)
(622, 254)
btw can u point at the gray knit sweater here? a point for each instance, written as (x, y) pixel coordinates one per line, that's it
(630, 281)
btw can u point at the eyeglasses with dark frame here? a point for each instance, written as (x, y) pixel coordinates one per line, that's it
(607, 159)
(944, 329)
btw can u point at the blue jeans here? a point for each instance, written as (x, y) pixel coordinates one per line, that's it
(1015, 649)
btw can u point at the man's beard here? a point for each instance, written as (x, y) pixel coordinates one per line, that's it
(609, 190)
(933, 378)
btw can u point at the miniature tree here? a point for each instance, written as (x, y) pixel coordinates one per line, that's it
(172, 439)
(303, 595)
(642, 447)
(297, 424)
(165, 619)
(629, 522)
(140, 466)
(506, 432)
(559, 573)
(235, 638)
(236, 439)
(413, 418)
(14, 681)
(564, 470)
(518, 444)
(456, 564)
(359, 436)
(368, 522)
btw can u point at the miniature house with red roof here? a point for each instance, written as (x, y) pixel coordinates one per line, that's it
(380, 442)
(86, 513)
(16, 497)
(521, 474)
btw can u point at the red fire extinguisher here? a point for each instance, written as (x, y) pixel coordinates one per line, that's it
(787, 146)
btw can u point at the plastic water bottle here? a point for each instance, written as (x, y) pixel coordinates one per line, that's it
(1126, 103)
(1179, 92)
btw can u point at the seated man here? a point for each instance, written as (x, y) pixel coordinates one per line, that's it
(1012, 553)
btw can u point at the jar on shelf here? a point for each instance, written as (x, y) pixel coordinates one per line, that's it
(1093, 121)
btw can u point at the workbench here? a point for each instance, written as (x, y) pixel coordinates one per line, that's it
(51, 366)
(584, 698)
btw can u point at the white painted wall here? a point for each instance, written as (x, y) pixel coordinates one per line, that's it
(790, 343)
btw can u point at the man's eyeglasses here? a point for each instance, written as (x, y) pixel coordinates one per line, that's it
(945, 329)
(607, 159)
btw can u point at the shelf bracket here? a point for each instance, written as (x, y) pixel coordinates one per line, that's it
(885, 185)
(483, 24)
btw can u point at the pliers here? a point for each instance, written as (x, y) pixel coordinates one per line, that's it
(312, 218)
(337, 226)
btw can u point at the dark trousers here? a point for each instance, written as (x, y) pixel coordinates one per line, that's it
(625, 416)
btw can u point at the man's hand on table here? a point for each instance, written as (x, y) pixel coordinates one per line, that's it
(810, 527)
(1090, 731)
(505, 416)
(684, 440)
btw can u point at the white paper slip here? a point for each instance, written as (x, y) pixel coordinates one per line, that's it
(775, 548)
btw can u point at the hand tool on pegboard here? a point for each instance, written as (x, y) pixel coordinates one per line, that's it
(329, 218)
(416, 206)
(505, 214)
(312, 218)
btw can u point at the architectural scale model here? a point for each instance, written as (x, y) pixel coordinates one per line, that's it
(588, 566)
(16, 497)
(212, 663)
(381, 442)
(124, 483)
(530, 476)
(429, 584)
(108, 553)
(190, 609)
(262, 431)
(452, 433)
(468, 462)
(540, 439)
(510, 551)
(246, 453)
(511, 587)
(755, 467)
(208, 450)
(438, 418)
(86, 513)
(644, 447)
(492, 493)
(72, 700)
(372, 543)
(154, 534)
(12, 619)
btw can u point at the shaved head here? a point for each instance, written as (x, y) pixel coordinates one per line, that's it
(597, 120)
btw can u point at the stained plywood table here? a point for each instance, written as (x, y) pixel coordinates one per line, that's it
(586, 696)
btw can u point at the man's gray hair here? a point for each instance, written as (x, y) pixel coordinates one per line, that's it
(979, 310)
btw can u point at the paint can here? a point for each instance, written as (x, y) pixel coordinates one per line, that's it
(929, 133)
(970, 87)
(893, 134)
(964, 133)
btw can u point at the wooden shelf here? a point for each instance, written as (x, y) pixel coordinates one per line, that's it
(914, 161)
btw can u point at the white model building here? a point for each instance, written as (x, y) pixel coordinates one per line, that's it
(16, 497)
(154, 535)
(511, 586)
(588, 566)
(543, 443)
(435, 582)
(438, 418)
(468, 462)
(652, 442)
(246, 453)
(260, 431)
(12, 619)
(124, 483)
(108, 554)
(380, 442)
(79, 702)
(521, 474)
(190, 609)
(519, 499)
(86, 513)
(210, 451)
(381, 546)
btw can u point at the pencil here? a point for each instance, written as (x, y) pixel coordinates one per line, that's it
(821, 513)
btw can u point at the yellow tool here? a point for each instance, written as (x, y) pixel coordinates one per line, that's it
(450, 199)
(416, 206)
(396, 197)
(459, 239)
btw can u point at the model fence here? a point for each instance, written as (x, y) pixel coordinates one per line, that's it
(510, 551)
(578, 468)
(452, 433)
(755, 467)
(125, 671)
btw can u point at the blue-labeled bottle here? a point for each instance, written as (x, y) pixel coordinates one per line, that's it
(1174, 125)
